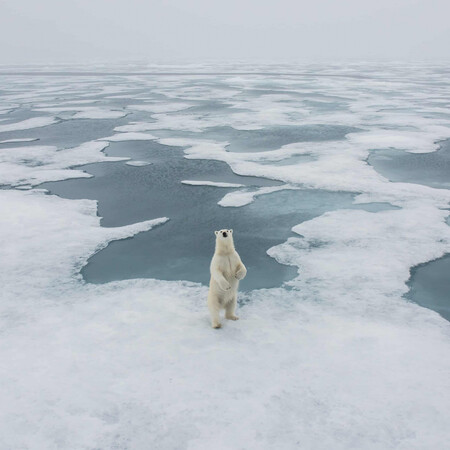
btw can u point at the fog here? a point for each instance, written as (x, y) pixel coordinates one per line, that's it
(198, 30)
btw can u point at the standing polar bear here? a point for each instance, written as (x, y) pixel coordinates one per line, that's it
(226, 271)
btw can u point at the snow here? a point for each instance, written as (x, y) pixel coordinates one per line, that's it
(18, 140)
(211, 183)
(97, 113)
(35, 122)
(345, 254)
(129, 137)
(134, 126)
(412, 141)
(242, 198)
(160, 107)
(39, 163)
(86, 112)
(138, 163)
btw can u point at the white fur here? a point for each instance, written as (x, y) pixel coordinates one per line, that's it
(226, 271)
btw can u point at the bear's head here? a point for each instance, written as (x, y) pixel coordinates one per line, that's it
(224, 234)
(224, 240)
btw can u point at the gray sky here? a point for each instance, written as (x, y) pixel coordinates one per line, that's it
(198, 30)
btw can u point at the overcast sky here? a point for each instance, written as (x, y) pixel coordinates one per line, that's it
(200, 30)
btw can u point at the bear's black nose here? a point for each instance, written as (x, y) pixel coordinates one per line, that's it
(224, 234)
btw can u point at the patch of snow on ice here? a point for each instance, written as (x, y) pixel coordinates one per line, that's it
(422, 141)
(35, 122)
(13, 141)
(129, 137)
(86, 112)
(242, 198)
(134, 126)
(211, 183)
(37, 164)
(138, 163)
(160, 107)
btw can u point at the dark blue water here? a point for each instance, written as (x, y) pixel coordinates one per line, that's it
(431, 169)
(430, 285)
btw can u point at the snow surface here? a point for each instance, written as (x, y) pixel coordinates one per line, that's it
(138, 163)
(35, 122)
(211, 183)
(134, 127)
(18, 140)
(86, 112)
(129, 137)
(160, 107)
(242, 198)
(39, 163)
(412, 141)
(335, 359)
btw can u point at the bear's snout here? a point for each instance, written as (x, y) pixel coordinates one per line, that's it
(224, 234)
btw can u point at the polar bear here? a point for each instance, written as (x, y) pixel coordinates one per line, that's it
(226, 271)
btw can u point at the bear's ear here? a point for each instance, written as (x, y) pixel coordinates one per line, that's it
(231, 231)
(216, 233)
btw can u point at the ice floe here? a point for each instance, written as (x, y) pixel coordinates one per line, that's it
(35, 122)
(129, 137)
(211, 183)
(18, 140)
(37, 164)
(160, 107)
(86, 112)
(138, 163)
(419, 141)
(242, 198)
(134, 127)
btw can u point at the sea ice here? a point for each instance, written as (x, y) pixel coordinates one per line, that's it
(28, 124)
(160, 107)
(138, 163)
(18, 140)
(86, 112)
(422, 141)
(37, 164)
(129, 137)
(135, 127)
(211, 183)
(242, 198)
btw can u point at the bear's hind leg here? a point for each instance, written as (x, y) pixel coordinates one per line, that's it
(230, 310)
(214, 312)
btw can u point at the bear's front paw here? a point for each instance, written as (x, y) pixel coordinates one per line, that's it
(225, 286)
(216, 325)
(241, 274)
